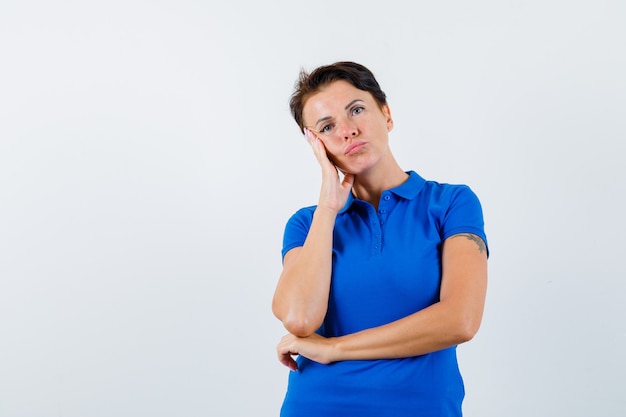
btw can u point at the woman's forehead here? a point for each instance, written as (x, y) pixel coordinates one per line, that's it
(337, 89)
(334, 96)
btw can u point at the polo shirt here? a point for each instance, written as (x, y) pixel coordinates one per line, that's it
(386, 265)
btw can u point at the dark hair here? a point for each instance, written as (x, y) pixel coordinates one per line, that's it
(309, 84)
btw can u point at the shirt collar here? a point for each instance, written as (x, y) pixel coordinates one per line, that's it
(411, 187)
(407, 190)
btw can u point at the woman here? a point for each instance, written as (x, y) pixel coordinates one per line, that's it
(384, 277)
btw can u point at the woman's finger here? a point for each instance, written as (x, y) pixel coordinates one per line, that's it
(285, 353)
(289, 362)
(319, 149)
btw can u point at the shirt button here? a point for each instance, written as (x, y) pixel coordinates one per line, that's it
(387, 197)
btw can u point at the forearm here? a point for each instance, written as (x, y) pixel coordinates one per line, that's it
(453, 320)
(301, 297)
(437, 327)
(434, 328)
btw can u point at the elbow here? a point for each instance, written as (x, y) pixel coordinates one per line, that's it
(300, 327)
(297, 324)
(465, 329)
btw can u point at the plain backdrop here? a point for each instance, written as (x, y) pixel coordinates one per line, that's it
(148, 164)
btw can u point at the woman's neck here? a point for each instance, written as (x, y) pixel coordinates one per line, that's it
(369, 186)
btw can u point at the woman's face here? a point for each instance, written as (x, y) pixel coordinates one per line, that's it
(350, 123)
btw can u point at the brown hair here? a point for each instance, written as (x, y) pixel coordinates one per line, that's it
(311, 83)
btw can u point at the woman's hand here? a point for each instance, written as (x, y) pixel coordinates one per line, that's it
(335, 191)
(314, 347)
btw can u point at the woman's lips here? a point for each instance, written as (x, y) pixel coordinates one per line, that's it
(353, 148)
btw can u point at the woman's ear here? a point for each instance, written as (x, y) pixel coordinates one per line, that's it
(387, 112)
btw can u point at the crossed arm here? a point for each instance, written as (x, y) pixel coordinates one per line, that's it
(453, 320)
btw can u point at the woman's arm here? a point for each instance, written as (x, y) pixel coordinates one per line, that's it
(454, 319)
(301, 297)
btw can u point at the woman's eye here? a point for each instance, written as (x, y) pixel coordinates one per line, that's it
(357, 110)
(326, 129)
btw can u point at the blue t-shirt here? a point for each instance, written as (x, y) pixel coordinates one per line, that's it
(386, 265)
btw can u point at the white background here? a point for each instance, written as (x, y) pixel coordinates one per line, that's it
(148, 164)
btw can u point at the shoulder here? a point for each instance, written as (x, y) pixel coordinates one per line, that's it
(300, 221)
(448, 198)
(454, 208)
(440, 193)
(416, 182)
(302, 215)
(446, 190)
(297, 228)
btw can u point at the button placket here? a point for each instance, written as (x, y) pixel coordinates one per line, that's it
(383, 209)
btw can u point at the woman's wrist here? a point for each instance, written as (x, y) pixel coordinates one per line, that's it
(326, 211)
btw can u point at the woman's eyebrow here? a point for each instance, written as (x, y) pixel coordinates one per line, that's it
(322, 119)
(351, 103)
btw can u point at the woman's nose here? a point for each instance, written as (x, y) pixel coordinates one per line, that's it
(348, 130)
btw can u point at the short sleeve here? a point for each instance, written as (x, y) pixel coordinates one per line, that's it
(464, 215)
(297, 229)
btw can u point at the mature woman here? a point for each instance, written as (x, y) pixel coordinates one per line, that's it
(384, 277)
